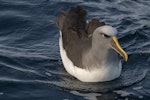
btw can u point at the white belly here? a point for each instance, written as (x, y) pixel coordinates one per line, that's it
(96, 75)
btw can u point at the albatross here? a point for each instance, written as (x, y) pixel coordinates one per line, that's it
(89, 50)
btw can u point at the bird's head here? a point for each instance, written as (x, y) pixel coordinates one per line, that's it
(105, 36)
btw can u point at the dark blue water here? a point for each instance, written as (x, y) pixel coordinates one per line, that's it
(30, 63)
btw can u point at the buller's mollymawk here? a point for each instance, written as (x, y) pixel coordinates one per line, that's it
(89, 50)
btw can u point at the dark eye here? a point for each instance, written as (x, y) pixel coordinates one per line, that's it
(104, 35)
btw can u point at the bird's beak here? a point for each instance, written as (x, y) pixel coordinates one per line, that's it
(116, 46)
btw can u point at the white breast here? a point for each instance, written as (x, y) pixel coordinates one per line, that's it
(96, 75)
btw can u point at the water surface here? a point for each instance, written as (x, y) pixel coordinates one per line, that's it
(30, 63)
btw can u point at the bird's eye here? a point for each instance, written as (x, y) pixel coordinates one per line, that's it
(104, 35)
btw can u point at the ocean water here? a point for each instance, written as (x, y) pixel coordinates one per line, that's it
(30, 63)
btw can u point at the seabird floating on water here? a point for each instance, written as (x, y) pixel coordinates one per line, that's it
(89, 50)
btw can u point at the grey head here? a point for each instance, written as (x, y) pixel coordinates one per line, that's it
(101, 52)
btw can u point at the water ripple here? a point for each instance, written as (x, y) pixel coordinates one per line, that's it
(29, 49)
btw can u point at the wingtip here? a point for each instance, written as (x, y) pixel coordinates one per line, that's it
(59, 19)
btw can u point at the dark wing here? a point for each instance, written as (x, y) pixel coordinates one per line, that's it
(59, 19)
(77, 21)
(73, 26)
(75, 31)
